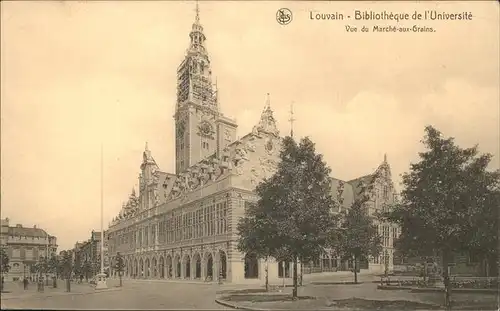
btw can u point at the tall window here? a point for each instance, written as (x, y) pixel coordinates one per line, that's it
(205, 221)
(385, 192)
(212, 219)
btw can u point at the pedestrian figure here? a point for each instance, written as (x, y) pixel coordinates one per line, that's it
(81, 278)
(25, 283)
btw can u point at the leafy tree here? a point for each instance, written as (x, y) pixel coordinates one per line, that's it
(43, 265)
(484, 238)
(294, 207)
(447, 201)
(96, 265)
(119, 266)
(359, 237)
(87, 269)
(34, 269)
(67, 268)
(77, 266)
(53, 265)
(254, 239)
(4, 265)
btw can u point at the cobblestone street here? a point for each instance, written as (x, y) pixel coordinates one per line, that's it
(133, 295)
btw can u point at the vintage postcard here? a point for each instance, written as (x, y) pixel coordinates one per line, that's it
(260, 155)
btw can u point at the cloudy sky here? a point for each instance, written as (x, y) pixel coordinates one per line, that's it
(78, 74)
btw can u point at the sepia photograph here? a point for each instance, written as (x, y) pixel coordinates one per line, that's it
(256, 155)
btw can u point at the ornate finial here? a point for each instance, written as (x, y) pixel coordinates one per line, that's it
(267, 122)
(197, 12)
(146, 148)
(292, 119)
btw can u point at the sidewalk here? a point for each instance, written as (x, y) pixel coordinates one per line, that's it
(223, 286)
(363, 296)
(15, 290)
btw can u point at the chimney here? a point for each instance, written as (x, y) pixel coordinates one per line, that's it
(34, 226)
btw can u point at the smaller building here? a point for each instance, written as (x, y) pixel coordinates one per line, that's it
(90, 251)
(24, 247)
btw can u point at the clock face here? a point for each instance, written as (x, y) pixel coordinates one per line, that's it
(205, 128)
(269, 146)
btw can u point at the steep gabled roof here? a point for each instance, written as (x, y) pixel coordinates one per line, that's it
(347, 192)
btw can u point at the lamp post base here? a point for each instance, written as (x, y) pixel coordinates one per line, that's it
(101, 282)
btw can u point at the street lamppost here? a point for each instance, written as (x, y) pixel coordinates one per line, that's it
(101, 277)
(47, 259)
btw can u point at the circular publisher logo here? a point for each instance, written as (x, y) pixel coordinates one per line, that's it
(284, 16)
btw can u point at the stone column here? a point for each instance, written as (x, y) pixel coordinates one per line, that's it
(183, 272)
(157, 230)
(215, 269)
(203, 267)
(192, 267)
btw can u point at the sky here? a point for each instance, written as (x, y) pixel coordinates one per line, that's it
(75, 75)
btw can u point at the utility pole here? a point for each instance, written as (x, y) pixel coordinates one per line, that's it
(101, 277)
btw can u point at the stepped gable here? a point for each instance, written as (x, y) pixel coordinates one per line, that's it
(256, 155)
(381, 174)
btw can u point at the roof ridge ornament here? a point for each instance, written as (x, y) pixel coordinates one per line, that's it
(267, 123)
(197, 18)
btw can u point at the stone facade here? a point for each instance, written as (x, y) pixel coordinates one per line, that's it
(24, 247)
(90, 251)
(183, 225)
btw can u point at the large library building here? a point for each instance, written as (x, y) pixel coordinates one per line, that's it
(182, 225)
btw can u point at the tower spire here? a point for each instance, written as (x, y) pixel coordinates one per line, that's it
(197, 18)
(267, 122)
(268, 102)
(292, 119)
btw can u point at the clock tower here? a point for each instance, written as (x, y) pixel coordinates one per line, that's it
(200, 129)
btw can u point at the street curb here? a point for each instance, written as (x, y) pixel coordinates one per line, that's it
(337, 283)
(234, 306)
(172, 281)
(63, 294)
(432, 290)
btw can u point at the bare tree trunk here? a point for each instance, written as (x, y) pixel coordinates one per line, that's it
(267, 274)
(355, 265)
(301, 273)
(425, 269)
(294, 278)
(487, 266)
(120, 275)
(446, 276)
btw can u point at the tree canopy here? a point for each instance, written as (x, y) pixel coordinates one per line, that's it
(67, 265)
(449, 202)
(358, 236)
(292, 217)
(449, 199)
(4, 264)
(119, 263)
